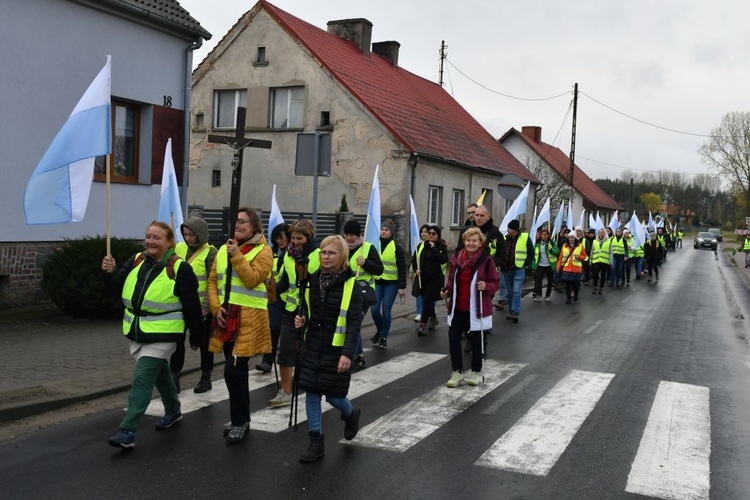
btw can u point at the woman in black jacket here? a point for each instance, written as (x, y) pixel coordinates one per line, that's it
(333, 318)
(428, 264)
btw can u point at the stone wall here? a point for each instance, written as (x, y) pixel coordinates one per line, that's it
(21, 272)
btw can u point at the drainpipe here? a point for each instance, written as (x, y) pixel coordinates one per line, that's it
(187, 109)
(414, 163)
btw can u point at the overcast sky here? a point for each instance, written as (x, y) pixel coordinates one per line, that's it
(678, 64)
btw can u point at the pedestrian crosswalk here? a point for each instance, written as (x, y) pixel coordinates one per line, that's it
(672, 460)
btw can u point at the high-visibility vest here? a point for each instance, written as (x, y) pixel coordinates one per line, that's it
(600, 251)
(420, 247)
(552, 257)
(660, 239)
(290, 269)
(746, 245)
(570, 264)
(521, 253)
(159, 310)
(390, 267)
(364, 251)
(680, 234)
(239, 294)
(339, 334)
(198, 262)
(638, 252)
(618, 245)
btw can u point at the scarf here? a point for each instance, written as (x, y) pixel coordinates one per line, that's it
(355, 245)
(327, 278)
(467, 263)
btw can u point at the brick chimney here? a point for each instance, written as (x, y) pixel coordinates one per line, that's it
(388, 50)
(533, 133)
(358, 31)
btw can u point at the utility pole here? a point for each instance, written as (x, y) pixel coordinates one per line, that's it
(630, 203)
(573, 136)
(443, 55)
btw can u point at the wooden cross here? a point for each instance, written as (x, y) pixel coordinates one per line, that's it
(238, 143)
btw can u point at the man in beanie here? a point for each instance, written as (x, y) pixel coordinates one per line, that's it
(364, 260)
(520, 252)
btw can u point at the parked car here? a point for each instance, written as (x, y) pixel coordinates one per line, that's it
(716, 231)
(705, 240)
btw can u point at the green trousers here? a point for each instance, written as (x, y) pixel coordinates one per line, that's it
(149, 372)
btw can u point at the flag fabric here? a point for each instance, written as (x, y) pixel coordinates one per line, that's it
(582, 218)
(170, 210)
(532, 227)
(517, 209)
(651, 222)
(636, 230)
(614, 222)
(558, 220)
(592, 221)
(480, 200)
(58, 190)
(569, 217)
(599, 222)
(275, 218)
(414, 237)
(544, 215)
(372, 225)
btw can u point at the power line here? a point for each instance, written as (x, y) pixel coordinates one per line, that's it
(631, 168)
(501, 93)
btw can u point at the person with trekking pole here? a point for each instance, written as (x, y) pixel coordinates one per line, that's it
(471, 282)
(331, 321)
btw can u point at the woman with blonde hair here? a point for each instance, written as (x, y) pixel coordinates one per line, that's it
(332, 319)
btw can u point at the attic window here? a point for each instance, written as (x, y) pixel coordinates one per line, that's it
(260, 57)
(325, 118)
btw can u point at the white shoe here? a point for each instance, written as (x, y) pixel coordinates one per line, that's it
(281, 399)
(537, 299)
(473, 378)
(546, 299)
(417, 318)
(456, 378)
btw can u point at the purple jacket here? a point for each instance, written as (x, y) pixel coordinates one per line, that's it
(485, 271)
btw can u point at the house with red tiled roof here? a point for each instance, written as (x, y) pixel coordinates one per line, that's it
(552, 166)
(294, 78)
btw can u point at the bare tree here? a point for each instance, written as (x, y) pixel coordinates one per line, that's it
(551, 184)
(728, 151)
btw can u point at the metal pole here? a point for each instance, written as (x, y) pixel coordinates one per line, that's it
(573, 135)
(316, 169)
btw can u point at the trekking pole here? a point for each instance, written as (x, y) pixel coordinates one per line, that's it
(481, 329)
(302, 282)
(276, 372)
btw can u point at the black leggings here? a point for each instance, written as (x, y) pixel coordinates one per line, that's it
(600, 274)
(460, 324)
(428, 309)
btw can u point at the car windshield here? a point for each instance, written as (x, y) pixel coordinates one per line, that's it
(714, 230)
(706, 236)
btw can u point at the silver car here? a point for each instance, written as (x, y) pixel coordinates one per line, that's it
(705, 240)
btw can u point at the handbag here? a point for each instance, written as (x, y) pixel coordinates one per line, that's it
(229, 332)
(368, 294)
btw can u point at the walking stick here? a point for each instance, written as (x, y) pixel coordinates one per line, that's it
(481, 329)
(276, 372)
(301, 285)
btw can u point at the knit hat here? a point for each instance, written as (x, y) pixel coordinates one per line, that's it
(303, 227)
(579, 228)
(514, 224)
(352, 227)
(388, 223)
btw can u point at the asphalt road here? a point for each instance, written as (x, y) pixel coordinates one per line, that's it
(637, 393)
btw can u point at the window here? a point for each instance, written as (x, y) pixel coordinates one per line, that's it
(434, 202)
(457, 213)
(226, 103)
(325, 118)
(260, 56)
(126, 132)
(287, 107)
(215, 178)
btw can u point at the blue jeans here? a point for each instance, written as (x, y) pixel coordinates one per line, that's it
(638, 261)
(385, 293)
(419, 304)
(618, 263)
(514, 283)
(315, 413)
(502, 292)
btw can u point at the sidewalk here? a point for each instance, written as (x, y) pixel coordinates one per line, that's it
(51, 360)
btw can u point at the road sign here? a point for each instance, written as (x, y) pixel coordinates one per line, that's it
(305, 164)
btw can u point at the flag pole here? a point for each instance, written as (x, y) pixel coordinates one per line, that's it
(108, 163)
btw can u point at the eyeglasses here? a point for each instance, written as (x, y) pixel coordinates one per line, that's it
(432, 233)
(328, 253)
(470, 213)
(241, 221)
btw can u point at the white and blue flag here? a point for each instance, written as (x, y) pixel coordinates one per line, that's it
(170, 209)
(636, 230)
(275, 218)
(558, 220)
(372, 225)
(414, 237)
(517, 209)
(58, 190)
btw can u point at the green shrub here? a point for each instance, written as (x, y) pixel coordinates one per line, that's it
(72, 276)
(344, 207)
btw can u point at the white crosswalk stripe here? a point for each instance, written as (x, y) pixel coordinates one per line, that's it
(536, 441)
(406, 426)
(673, 459)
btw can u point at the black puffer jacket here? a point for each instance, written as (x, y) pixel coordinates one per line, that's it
(319, 359)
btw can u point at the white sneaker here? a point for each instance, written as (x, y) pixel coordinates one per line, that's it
(418, 318)
(473, 378)
(546, 299)
(537, 299)
(281, 399)
(456, 378)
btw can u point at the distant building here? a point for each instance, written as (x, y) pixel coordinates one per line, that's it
(56, 49)
(294, 77)
(527, 147)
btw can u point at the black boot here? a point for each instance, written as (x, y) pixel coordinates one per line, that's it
(176, 378)
(204, 384)
(316, 449)
(352, 424)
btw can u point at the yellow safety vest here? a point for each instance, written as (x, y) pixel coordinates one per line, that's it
(746, 245)
(520, 252)
(364, 251)
(292, 295)
(618, 245)
(198, 263)
(339, 334)
(160, 311)
(390, 268)
(239, 294)
(600, 251)
(565, 252)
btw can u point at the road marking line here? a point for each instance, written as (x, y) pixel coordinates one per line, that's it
(536, 441)
(593, 327)
(409, 424)
(277, 419)
(673, 459)
(493, 408)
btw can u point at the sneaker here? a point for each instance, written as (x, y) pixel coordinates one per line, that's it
(546, 298)
(600, 291)
(514, 317)
(383, 344)
(237, 432)
(168, 420)
(123, 439)
(422, 329)
(417, 318)
(509, 316)
(359, 363)
(537, 299)
(456, 378)
(263, 367)
(375, 338)
(281, 399)
(657, 278)
(432, 323)
(499, 306)
(473, 378)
